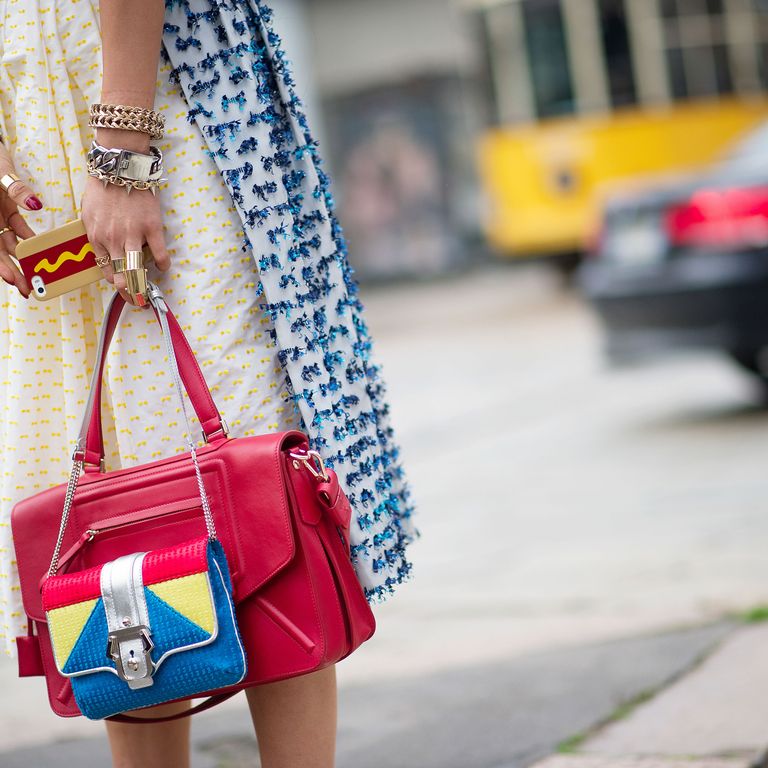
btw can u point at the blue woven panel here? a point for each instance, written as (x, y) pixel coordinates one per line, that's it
(90, 649)
(218, 664)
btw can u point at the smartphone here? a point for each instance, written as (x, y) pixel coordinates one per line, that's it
(61, 260)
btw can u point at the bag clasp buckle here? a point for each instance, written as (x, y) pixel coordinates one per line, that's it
(130, 648)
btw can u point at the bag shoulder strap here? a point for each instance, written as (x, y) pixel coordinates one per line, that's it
(209, 703)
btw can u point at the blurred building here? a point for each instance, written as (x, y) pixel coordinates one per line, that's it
(387, 83)
(560, 57)
(554, 101)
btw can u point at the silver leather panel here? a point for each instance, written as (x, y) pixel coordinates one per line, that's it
(130, 644)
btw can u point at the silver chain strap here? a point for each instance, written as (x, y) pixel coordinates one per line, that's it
(74, 475)
(158, 301)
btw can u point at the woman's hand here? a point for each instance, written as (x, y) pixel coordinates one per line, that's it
(116, 222)
(18, 194)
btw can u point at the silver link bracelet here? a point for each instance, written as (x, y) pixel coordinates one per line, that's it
(125, 168)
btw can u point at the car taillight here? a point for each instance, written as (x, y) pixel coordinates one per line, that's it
(721, 218)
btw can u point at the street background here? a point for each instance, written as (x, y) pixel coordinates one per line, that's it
(561, 503)
(591, 581)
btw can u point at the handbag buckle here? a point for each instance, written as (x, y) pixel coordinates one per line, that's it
(138, 635)
(78, 456)
(224, 429)
(102, 465)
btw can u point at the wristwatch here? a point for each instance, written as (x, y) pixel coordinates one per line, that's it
(127, 164)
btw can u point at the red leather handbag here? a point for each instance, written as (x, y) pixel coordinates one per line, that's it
(280, 514)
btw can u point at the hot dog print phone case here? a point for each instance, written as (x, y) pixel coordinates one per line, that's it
(61, 260)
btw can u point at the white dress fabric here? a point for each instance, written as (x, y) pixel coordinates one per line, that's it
(50, 62)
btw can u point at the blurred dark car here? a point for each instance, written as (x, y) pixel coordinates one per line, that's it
(685, 263)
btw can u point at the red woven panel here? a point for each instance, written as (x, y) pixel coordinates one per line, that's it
(159, 565)
(69, 589)
(177, 561)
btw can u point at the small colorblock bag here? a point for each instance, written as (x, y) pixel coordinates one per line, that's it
(146, 628)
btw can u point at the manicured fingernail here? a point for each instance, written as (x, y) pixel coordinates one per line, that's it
(33, 203)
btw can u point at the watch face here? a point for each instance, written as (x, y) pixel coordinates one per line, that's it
(125, 163)
(131, 165)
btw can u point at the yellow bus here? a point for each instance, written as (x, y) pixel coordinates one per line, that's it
(590, 94)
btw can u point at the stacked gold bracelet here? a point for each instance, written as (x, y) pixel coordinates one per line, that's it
(127, 118)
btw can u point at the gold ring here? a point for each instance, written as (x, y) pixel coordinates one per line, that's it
(134, 260)
(7, 180)
(118, 264)
(102, 261)
(4, 230)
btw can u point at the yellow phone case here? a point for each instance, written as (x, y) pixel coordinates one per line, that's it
(61, 260)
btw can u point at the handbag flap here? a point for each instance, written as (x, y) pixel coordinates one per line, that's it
(165, 593)
(245, 481)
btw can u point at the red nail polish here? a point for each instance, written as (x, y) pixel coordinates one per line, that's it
(33, 203)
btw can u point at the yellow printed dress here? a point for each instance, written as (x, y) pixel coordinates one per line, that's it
(50, 71)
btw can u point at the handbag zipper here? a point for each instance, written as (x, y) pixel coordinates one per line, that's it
(109, 525)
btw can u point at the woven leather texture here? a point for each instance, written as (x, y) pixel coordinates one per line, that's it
(191, 616)
(67, 624)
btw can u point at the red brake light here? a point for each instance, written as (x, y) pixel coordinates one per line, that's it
(721, 217)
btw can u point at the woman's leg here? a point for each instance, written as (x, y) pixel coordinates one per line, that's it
(151, 745)
(295, 723)
(295, 720)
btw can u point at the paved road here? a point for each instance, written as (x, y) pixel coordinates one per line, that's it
(561, 503)
(489, 715)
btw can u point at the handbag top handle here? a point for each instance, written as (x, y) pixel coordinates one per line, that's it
(162, 311)
(194, 382)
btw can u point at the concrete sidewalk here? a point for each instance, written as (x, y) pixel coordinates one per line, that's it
(715, 716)
(497, 714)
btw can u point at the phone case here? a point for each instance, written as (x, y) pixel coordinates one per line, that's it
(60, 261)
